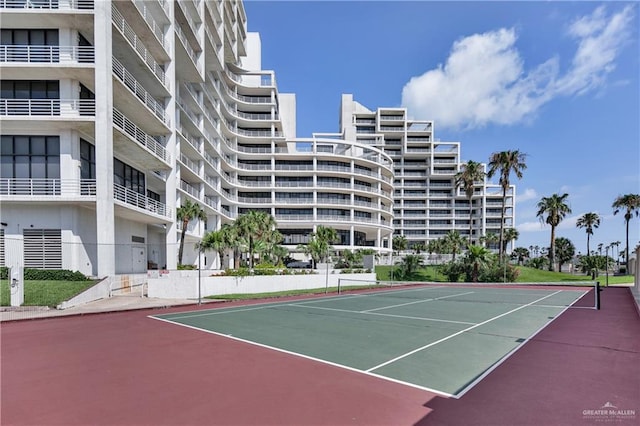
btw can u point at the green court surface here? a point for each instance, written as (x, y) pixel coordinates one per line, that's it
(438, 338)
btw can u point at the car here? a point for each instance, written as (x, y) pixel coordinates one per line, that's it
(299, 265)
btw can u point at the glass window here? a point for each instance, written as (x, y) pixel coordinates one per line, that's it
(38, 145)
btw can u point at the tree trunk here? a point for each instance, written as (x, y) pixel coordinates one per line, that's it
(504, 202)
(626, 254)
(470, 220)
(185, 223)
(552, 248)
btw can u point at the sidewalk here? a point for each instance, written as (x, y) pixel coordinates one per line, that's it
(112, 304)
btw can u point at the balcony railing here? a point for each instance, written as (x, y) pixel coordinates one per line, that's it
(47, 54)
(47, 4)
(128, 127)
(48, 107)
(141, 93)
(39, 187)
(129, 34)
(140, 201)
(148, 18)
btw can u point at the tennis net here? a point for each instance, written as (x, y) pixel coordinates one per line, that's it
(575, 294)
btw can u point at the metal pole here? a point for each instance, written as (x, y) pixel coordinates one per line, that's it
(199, 280)
(326, 278)
(606, 259)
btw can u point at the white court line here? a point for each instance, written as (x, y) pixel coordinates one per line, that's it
(346, 367)
(265, 305)
(457, 334)
(380, 314)
(414, 302)
(507, 356)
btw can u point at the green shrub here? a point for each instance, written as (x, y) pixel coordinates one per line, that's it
(497, 272)
(453, 271)
(182, 267)
(46, 274)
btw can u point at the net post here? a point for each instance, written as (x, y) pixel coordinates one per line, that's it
(339, 287)
(597, 295)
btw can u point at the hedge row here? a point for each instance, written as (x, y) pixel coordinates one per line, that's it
(46, 274)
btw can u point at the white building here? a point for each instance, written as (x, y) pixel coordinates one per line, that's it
(113, 113)
(427, 204)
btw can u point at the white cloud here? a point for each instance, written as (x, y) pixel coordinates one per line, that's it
(484, 80)
(528, 194)
(531, 227)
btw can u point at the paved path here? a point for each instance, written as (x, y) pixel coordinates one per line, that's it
(112, 304)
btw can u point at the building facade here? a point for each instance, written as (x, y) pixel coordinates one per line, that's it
(427, 203)
(113, 113)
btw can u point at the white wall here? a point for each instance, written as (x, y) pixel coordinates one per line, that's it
(184, 284)
(127, 253)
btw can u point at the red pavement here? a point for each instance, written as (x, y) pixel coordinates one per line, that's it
(127, 369)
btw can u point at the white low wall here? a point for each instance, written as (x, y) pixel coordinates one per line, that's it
(99, 291)
(184, 284)
(110, 286)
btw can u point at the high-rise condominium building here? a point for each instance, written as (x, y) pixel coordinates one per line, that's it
(427, 203)
(114, 113)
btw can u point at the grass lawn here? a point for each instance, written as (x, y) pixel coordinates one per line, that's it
(44, 292)
(430, 273)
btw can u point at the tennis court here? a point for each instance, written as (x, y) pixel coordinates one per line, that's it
(439, 338)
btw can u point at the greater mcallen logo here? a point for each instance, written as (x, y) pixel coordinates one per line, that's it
(609, 413)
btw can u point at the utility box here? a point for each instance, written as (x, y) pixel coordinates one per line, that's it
(16, 285)
(368, 261)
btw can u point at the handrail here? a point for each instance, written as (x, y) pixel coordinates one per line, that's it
(129, 34)
(141, 201)
(138, 89)
(48, 107)
(140, 136)
(48, 186)
(47, 4)
(47, 54)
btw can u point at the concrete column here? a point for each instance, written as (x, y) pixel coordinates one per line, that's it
(105, 220)
(171, 233)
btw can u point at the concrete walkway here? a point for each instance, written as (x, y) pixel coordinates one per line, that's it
(111, 304)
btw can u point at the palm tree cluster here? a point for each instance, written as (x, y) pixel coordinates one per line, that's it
(253, 233)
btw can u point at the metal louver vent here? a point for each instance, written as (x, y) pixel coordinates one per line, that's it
(42, 248)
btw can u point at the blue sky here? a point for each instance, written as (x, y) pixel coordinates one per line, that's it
(559, 81)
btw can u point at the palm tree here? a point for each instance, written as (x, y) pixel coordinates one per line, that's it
(555, 209)
(215, 240)
(565, 250)
(506, 162)
(520, 253)
(255, 225)
(319, 246)
(187, 212)
(409, 265)
(477, 255)
(489, 239)
(454, 241)
(630, 203)
(470, 173)
(510, 234)
(589, 221)
(399, 243)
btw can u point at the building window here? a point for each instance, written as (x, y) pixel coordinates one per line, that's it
(30, 89)
(42, 248)
(87, 160)
(30, 157)
(127, 176)
(39, 97)
(38, 41)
